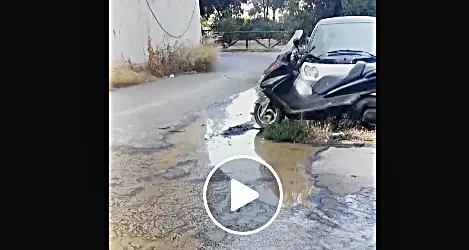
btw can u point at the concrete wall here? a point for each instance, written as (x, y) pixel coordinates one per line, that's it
(132, 21)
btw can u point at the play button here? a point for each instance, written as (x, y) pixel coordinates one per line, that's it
(242, 195)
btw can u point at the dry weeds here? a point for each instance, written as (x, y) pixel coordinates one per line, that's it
(127, 74)
(302, 131)
(360, 134)
(164, 61)
(326, 131)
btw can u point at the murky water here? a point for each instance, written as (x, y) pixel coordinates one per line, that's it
(238, 135)
(289, 161)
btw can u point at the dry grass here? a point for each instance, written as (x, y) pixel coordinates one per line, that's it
(128, 74)
(164, 61)
(302, 131)
(360, 134)
(343, 130)
(320, 131)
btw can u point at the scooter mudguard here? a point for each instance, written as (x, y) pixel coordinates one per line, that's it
(263, 101)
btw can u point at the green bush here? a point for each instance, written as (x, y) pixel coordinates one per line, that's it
(288, 131)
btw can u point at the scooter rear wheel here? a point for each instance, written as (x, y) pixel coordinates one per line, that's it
(272, 115)
(369, 118)
(364, 111)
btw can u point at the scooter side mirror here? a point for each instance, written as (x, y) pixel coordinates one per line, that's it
(296, 42)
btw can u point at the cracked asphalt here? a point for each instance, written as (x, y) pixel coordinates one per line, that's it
(167, 135)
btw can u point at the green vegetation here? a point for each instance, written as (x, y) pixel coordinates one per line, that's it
(326, 131)
(263, 16)
(288, 131)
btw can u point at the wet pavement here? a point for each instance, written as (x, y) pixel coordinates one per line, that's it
(158, 168)
(329, 193)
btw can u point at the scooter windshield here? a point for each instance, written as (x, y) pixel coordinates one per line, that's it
(289, 45)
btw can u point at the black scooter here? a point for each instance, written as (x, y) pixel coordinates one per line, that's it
(331, 96)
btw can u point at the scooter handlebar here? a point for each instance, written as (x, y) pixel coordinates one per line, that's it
(305, 57)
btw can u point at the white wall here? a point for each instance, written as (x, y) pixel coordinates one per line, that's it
(132, 21)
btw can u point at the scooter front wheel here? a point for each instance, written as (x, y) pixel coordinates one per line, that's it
(271, 115)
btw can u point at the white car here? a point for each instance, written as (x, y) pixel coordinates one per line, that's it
(339, 42)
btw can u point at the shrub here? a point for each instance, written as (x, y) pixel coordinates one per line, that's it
(302, 131)
(288, 131)
(165, 60)
(127, 74)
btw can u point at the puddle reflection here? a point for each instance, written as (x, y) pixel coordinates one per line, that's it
(288, 159)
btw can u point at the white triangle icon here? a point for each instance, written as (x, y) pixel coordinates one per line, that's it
(241, 195)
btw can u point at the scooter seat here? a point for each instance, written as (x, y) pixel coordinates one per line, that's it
(327, 83)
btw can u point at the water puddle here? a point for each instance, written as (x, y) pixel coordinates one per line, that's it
(224, 137)
(231, 131)
(324, 211)
(289, 161)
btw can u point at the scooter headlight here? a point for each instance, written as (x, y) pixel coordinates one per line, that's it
(311, 71)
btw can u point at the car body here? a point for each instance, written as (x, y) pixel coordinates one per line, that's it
(348, 32)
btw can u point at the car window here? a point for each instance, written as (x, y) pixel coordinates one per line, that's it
(353, 36)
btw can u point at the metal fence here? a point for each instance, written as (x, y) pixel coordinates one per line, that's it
(271, 38)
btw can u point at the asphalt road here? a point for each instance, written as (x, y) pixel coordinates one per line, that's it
(165, 102)
(165, 138)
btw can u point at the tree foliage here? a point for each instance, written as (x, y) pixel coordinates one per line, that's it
(264, 6)
(261, 6)
(306, 13)
(359, 7)
(297, 14)
(276, 5)
(229, 26)
(221, 8)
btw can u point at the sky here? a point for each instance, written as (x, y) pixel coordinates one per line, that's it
(248, 6)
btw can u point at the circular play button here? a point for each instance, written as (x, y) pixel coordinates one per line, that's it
(243, 195)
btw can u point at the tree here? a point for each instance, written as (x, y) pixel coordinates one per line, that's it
(337, 9)
(252, 12)
(262, 6)
(359, 7)
(220, 8)
(276, 5)
(309, 12)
